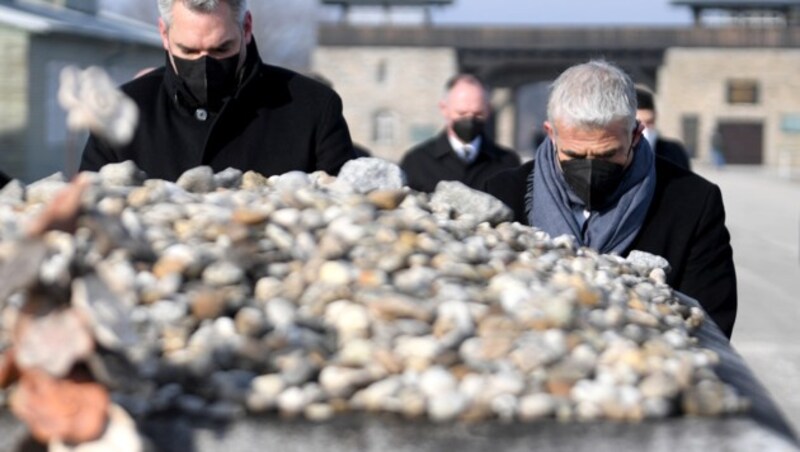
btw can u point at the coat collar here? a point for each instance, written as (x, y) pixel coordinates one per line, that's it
(443, 149)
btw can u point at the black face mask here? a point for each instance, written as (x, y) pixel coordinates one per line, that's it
(592, 180)
(467, 129)
(209, 80)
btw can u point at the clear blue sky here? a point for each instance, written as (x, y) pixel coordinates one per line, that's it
(563, 12)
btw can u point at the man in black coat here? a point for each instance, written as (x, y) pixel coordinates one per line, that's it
(664, 148)
(596, 179)
(215, 103)
(462, 152)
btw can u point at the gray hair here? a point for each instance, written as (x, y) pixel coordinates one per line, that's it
(594, 94)
(470, 79)
(238, 7)
(464, 77)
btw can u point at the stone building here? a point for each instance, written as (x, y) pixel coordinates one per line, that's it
(37, 40)
(751, 95)
(735, 76)
(389, 95)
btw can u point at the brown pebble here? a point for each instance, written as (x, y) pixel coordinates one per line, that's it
(250, 217)
(168, 265)
(386, 199)
(73, 410)
(207, 304)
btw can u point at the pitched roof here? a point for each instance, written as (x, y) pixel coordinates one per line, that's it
(49, 19)
(738, 4)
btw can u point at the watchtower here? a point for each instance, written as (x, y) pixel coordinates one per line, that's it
(745, 12)
(387, 11)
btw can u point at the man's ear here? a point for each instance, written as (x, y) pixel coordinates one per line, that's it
(248, 27)
(164, 32)
(637, 133)
(443, 109)
(550, 130)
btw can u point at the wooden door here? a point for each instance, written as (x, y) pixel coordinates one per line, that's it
(742, 142)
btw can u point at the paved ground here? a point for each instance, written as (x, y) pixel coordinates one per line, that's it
(763, 217)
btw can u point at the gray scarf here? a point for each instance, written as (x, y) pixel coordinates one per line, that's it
(554, 208)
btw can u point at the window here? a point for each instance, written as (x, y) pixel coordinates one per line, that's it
(790, 123)
(383, 128)
(55, 133)
(742, 91)
(422, 132)
(381, 71)
(690, 131)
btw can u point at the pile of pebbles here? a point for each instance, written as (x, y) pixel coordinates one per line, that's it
(231, 294)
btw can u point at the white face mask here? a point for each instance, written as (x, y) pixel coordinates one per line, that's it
(651, 135)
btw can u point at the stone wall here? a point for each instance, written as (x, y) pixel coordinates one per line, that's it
(13, 98)
(398, 87)
(694, 81)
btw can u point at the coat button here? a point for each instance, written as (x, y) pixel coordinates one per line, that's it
(201, 114)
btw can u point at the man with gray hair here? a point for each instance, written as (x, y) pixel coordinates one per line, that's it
(597, 179)
(215, 103)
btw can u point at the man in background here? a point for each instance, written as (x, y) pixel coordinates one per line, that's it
(462, 152)
(664, 148)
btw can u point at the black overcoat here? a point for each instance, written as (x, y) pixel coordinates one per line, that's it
(673, 151)
(434, 160)
(685, 224)
(278, 121)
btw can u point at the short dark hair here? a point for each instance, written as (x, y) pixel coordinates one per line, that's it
(644, 98)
